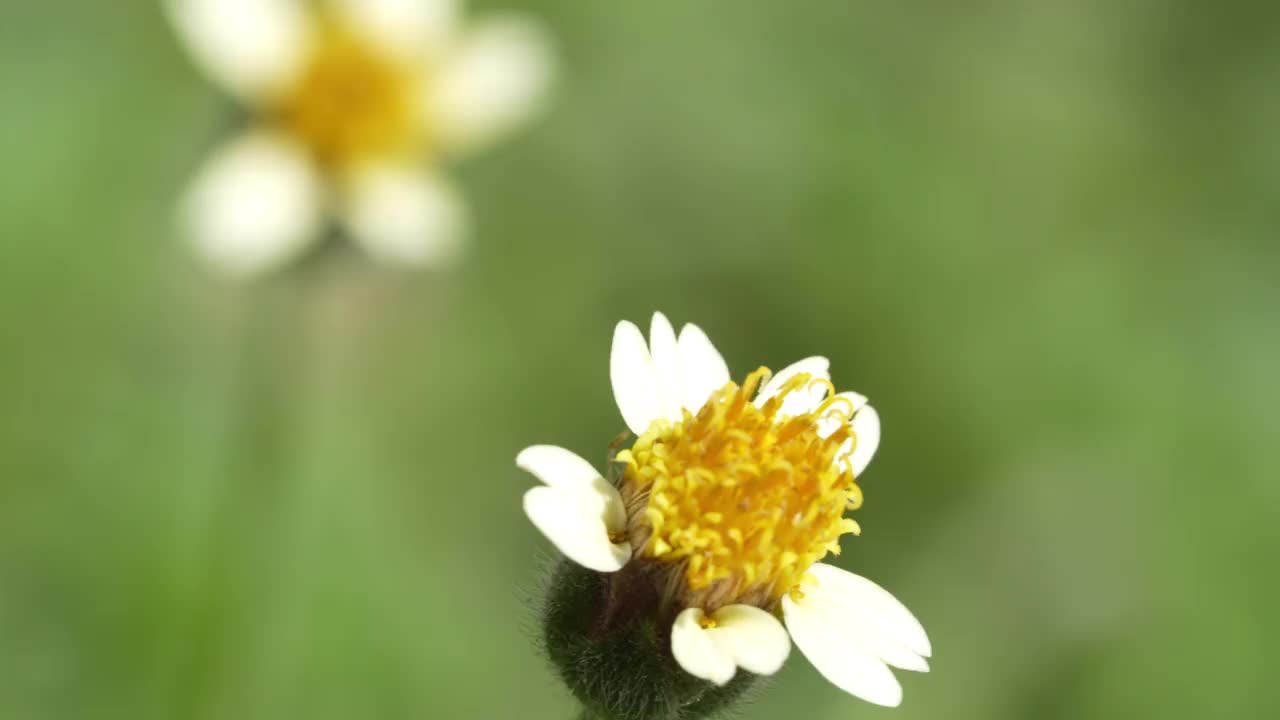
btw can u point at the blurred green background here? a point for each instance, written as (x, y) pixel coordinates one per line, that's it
(1041, 236)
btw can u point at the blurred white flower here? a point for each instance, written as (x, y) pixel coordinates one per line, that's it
(356, 103)
(726, 501)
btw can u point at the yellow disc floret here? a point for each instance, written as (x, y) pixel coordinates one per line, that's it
(354, 100)
(743, 498)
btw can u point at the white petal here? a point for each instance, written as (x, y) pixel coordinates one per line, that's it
(255, 204)
(253, 48)
(866, 430)
(849, 666)
(844, 622)
(840, 412)
(615, 511)
(574, 521)
(695, 650)
(405, 216)
(878, 640)
(702, 369)
(411, 27)
(556, 466)
(495, 79)
(635, 384)
(802, 400)
(666, 366)
(563, 469)
(860, 627)
(870, 600)
(755, 640)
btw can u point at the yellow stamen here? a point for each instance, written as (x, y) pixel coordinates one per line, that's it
(740, 494)
(828, 387)
(354, 101)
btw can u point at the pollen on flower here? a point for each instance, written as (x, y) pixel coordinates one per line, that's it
(353, 100)
(743, 498)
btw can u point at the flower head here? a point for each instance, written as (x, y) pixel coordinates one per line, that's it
(351, 101)
(721, 510)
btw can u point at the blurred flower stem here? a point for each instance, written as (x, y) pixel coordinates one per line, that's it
(292, 354)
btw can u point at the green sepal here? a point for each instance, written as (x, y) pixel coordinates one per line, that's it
(608, 637)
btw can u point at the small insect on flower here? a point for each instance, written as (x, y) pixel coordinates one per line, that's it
(355, 104)
(709, 536)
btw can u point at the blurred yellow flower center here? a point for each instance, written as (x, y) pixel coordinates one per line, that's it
(353, 101)
(746, 499)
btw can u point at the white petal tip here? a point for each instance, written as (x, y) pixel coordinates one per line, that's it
(702, 368)
(665, 353)
(532, 458)
(626, 327)
(891, 701)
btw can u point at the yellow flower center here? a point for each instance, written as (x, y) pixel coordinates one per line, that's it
(354, 101)
(745, 498)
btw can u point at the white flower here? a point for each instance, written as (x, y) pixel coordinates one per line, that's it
(737, 491)
(356, 103)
